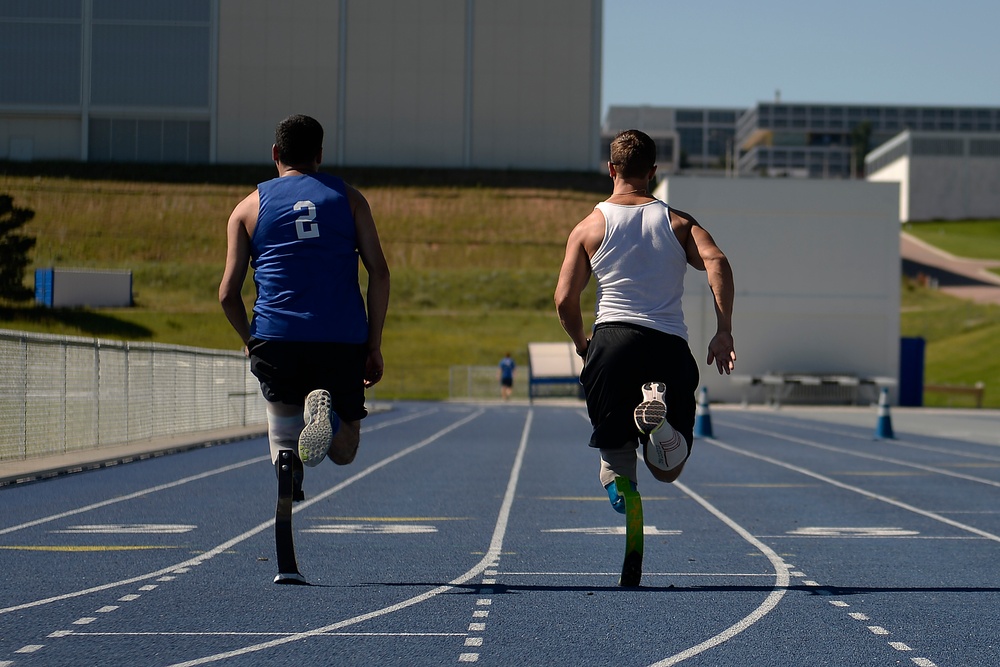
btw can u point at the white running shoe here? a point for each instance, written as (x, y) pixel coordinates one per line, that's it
(652, 412)
(321, 424)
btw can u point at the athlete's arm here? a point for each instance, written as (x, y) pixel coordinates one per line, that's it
(575, 274)
(373, 259)
(705, 255)
(243, 217)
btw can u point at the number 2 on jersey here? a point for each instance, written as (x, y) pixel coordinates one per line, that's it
(305, 228)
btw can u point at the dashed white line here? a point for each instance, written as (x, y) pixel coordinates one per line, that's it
(900, 646)
(85, 620)
(923, 662)
(878, 630)
(30, 648)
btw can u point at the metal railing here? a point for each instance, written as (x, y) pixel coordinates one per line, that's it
(63, 393)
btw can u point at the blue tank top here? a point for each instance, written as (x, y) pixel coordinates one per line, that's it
(304, 253)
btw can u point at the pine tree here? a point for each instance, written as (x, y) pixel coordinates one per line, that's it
(14, 249)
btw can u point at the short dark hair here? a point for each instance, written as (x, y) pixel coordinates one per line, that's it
(299, 139)
(633, 153)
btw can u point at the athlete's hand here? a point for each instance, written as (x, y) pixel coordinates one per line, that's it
(373, 367)
(722, 352)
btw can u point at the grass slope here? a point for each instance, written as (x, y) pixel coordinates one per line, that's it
(473, 265)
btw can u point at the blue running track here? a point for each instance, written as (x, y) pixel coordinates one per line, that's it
(479, 533)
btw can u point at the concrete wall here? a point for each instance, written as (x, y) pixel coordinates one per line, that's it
(898, 172)
(436, 83)
(817, 271)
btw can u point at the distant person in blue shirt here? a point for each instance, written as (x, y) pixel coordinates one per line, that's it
(506, 374)
(314, 343)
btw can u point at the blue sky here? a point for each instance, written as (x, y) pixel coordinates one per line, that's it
(734, 53)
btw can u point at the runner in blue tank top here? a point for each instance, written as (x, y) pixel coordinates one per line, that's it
(313, 343)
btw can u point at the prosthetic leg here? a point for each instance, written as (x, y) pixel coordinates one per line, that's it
(288, 570)
(632, 565)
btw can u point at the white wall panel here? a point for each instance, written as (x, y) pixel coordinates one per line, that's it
(817, 269)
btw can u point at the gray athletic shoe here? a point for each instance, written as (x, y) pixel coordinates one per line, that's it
(321, 424)
(652, 412)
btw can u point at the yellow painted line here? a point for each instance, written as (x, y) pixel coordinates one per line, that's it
(873, 473)
(601, 498)
(970, 465)
(766, 486)
(392, 519)
(72, 547)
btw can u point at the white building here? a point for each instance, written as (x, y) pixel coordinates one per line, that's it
(941, 176)
(435, 83)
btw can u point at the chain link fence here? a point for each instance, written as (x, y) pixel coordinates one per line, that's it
(62, 393)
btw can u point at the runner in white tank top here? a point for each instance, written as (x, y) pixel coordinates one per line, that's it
(638, 249)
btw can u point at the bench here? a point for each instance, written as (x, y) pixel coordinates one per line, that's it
(977, 390)
(812, 388)
(554, 369)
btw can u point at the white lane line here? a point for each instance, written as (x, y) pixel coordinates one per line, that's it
(900, 646)
(489, 559)
(187, 480)
(878, 630)
(778, 591)
(858, 490)
(257, 634)
(30, 648)
(133, 496)
(644, 574)
(872, 457)
(923, 662)
(228, 544)
(897, 442)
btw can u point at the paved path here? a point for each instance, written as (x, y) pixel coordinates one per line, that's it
(958, 276)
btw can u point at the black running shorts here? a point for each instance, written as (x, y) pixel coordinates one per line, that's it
(289, 370)
(620, 359)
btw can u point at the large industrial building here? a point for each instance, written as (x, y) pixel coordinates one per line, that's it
(498, 84)
(941, 176)
(785, 139)
(817, 140)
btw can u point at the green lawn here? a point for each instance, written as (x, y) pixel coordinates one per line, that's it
(473, 270)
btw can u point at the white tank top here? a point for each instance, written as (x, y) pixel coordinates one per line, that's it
(640, 267)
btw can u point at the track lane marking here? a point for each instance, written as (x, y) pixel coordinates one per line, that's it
(488, 560)
(873, 457)
(855, 489)
(228, 544)
(186, 480)
(780, 587)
